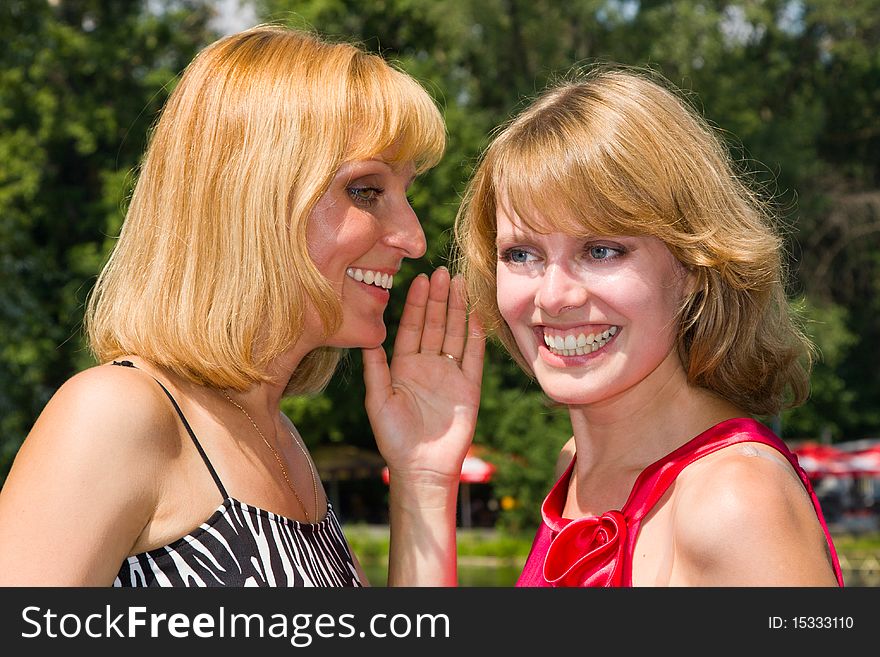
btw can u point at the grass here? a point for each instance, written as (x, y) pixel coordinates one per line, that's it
(370, 542)
(861, 543)
(488, 557)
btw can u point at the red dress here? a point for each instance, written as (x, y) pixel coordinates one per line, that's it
(597, 551)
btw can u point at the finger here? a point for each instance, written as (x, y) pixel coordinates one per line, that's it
(456, 319)
(474, 350)
(412, 319)
(377, 377)
(435, 313)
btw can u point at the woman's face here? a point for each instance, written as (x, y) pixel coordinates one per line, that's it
(593, 317)
(359, 232)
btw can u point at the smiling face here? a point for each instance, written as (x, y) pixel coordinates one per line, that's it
(358, 234)
(593, 317)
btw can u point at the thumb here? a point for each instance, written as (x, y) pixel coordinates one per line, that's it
(377, 377)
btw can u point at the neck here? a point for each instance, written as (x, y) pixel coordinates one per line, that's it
(644, 423)
(264, 398)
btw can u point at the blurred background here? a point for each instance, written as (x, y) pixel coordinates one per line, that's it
(793, 86)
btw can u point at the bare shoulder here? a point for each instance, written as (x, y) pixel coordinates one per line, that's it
(105, 407)
(742, 483)
(105, 424)
(566, 454)
(88, 473)
(743, 517)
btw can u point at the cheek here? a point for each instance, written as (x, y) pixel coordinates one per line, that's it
(658, 311)
(512, 296)
(320, 250)
(320, 239)
(334, 250)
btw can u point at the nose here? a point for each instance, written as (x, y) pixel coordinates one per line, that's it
(405, 232)
(560, 289)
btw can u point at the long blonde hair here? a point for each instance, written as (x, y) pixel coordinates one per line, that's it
(211, 273)
(617, 151)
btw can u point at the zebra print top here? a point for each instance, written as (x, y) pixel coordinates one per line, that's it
(242, 545)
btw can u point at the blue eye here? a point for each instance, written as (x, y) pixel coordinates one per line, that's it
(516, 256)
(364, 196)
(599, 252)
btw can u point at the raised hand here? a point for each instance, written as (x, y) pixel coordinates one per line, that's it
(423, 408)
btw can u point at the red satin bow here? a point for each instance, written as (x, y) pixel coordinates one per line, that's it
(588, 552)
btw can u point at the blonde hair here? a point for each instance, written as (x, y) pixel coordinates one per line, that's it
(617, 151)
(211, 274)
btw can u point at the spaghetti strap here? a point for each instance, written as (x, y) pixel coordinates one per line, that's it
(128, 363)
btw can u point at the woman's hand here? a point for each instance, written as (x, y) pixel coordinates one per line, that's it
(423, 409)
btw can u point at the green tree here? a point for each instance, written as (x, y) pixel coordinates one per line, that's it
(81, 82)
(792, 85)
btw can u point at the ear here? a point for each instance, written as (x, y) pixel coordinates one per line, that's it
(691, 281)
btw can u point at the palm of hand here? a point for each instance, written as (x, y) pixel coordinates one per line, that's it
(432, 412)
(423, 409)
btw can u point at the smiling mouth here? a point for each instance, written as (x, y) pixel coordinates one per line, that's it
(371, 277)
(577, 343)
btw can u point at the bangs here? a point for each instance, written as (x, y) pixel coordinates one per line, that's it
(389, 109)
(577, 174)
(569, 187)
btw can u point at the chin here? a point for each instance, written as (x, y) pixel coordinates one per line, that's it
(571, 396)
(373, 345)
(365, 339)
(568, 399)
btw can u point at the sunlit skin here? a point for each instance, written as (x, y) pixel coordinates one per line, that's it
(86, 450)
(558, 285)
(423, 406)
(363, 221)
(630, 404)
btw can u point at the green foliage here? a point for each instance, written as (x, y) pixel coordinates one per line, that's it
(80, 84)
(831, 402)
(793, 85)
(525, 433)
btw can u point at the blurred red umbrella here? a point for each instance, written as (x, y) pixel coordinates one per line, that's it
(866, 461)
(825, 461)
(474, 470)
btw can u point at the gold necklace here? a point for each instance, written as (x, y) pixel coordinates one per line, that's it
(281, 463)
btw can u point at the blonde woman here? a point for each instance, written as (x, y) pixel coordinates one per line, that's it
(608, 243)
(267, 224)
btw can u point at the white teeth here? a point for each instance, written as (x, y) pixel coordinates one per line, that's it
(578, 345)
(370, 277)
